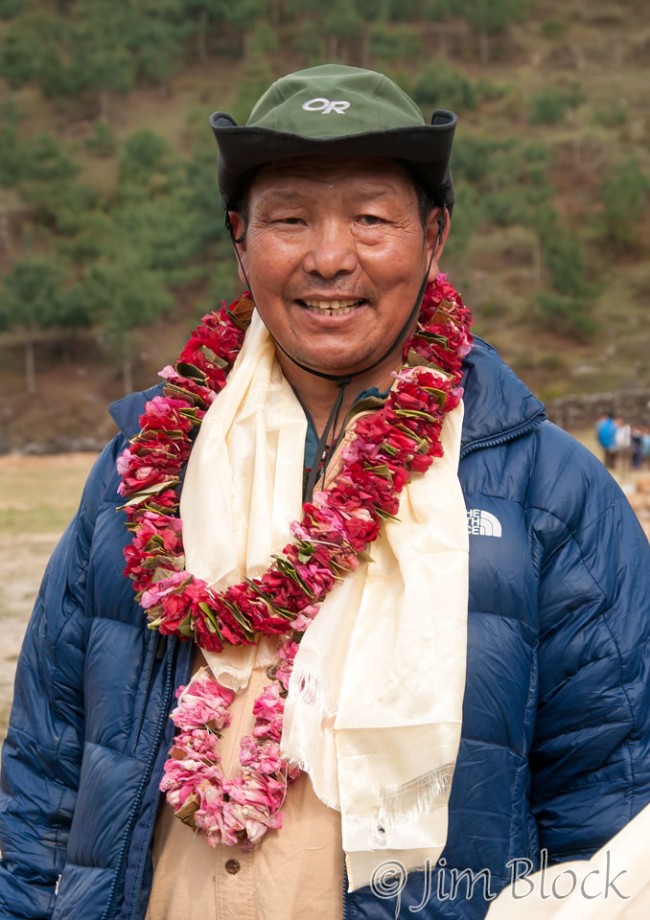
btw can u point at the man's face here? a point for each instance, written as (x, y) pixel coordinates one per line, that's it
(335, 253)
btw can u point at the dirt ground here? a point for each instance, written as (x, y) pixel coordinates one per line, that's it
(38, 496)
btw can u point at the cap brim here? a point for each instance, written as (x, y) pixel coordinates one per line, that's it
(243, 149)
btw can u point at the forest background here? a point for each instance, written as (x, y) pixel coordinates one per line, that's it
(112, 241)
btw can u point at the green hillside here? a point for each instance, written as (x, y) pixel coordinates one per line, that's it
(111, 237)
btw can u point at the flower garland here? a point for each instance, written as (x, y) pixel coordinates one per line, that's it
(337, 527)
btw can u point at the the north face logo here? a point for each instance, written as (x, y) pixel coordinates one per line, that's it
(483, 524)
(326, 106)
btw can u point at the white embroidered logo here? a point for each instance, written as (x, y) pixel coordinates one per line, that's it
(326, 106)
(483, 524)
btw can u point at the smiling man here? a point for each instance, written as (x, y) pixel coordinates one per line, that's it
(400, 621)
(339, 250)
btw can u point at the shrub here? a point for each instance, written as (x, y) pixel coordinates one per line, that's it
(403, 10)
(510, 178)
(551, 105)
(11, 157)
(474, 158)
(465, 220)
(102, 142)
(566, 315)
(615, 116)
(263, 40)
(555, 28)
(564, 258)
(308, 42)
(255, 79)
(437, 10)
(624, 195)
(145, 164)
(387, 43)
(505, 208)
(10, 8)
(342, 25)
(440, 86)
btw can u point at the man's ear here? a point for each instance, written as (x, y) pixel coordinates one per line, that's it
(438, 226)
(236, 227)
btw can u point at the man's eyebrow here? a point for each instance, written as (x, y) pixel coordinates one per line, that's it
(281, 196)
(380, 190)
(289, 195)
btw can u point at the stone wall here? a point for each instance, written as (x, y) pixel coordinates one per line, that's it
(579, 412)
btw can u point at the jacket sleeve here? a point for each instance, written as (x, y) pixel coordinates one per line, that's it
(591, 758)
(41, 755)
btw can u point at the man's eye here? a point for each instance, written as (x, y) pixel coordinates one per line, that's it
(370, 220)
(288, 219)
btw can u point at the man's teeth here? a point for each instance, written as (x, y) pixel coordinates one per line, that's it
(332, 306)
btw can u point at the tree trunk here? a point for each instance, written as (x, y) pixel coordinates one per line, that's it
(577, 153)
(202, 37)
(103, 106)
(275, 12)
(245, 44)
(127, 375)
(30, 366)
(484, 45)
(537, 260)
(365, 48)
(5, 231)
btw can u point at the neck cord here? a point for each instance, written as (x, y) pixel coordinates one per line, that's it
(323, 453)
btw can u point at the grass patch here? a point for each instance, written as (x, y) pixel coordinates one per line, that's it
(39, 495)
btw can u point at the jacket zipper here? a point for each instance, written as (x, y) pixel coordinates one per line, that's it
(511, 435)
(156, 656)
(146, 775)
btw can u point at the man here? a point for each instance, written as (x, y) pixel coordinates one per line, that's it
(606, 429)
(416, 721)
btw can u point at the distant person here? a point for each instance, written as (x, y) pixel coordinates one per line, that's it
(606, 428)
(623, 446)
(636, 437)
(645, 445)
(400, 620)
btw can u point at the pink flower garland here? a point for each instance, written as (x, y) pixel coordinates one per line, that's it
(242, 809)
(337, 527)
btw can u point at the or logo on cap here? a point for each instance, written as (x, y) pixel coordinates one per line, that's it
(326, 106)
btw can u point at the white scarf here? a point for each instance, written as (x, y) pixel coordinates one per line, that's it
(374, 710)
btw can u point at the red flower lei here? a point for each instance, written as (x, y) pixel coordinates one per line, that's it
(337, 527)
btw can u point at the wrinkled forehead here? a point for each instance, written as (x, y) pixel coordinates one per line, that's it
(362, 175)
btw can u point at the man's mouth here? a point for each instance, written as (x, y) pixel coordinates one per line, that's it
(332, 307)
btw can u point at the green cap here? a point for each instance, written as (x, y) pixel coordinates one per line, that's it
(333, 110)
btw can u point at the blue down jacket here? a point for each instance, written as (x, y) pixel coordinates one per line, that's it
(555, 752)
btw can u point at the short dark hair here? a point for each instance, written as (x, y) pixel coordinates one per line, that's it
(428, 200)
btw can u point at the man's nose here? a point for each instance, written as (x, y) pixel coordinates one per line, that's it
(331, 251)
